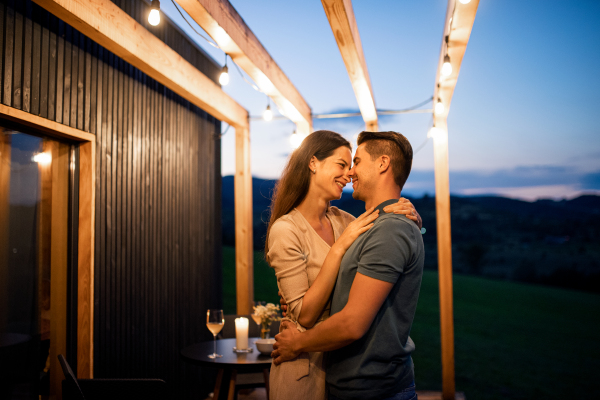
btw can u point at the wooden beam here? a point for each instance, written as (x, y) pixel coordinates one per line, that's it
(459, 23)
(52, 128)
(222, 22)
(244, 249)
(105, 23)
(343, 24)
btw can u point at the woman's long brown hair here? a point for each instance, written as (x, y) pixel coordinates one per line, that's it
(295, 179)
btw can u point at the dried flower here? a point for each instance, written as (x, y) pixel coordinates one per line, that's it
(268, 313)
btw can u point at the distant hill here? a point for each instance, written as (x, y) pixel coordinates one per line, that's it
(550, 242)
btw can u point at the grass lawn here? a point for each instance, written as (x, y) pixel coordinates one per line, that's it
(512, 340)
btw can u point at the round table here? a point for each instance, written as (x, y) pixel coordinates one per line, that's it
(230, 364)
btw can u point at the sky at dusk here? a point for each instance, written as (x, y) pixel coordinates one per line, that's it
(521, 123)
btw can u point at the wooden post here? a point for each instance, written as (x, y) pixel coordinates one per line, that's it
(244, 252)
(444, 238)
(4, 221)
(58, 239)
(85, 271)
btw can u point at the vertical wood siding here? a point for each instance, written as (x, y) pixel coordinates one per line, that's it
(158, 185)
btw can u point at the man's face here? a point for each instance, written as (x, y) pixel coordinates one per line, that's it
(362, 174)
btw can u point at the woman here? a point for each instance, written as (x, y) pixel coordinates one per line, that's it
(306, 240)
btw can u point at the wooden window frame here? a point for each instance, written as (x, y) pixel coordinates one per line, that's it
(85, 242)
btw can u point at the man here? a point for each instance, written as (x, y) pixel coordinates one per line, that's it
(373, 304)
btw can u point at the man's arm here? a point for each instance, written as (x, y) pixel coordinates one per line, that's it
(365, 299)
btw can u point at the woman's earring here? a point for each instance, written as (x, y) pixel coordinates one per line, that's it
(314, 171)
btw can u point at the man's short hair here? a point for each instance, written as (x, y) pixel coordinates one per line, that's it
(395, 146)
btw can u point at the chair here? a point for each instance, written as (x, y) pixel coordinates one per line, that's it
(114, 389)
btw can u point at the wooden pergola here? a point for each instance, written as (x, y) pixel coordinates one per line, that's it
(457, 30)
(108, 25)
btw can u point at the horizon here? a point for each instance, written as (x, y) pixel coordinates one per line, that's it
(521, 196)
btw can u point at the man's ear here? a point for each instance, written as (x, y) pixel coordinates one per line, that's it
(384, 163)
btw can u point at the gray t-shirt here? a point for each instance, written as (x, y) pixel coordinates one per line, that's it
(379, 364)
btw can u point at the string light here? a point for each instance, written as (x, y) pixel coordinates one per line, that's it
(437, 134)
(296, 140)
(268, 114)
(42, 158)
(439, 107)
(446, 67)
(154, 16)
(224, 77)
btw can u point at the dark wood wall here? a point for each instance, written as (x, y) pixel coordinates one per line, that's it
(158, 185)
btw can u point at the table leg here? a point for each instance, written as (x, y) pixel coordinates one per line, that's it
(217, 390)
(267, 374)
(231, 395)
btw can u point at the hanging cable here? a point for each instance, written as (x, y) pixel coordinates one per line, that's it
(244, 78)
(194, 29)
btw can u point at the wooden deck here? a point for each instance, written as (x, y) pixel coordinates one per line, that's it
(261, 394)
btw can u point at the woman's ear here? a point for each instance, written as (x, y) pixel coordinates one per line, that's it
(312, 164)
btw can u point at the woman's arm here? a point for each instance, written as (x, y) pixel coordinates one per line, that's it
(317, 296)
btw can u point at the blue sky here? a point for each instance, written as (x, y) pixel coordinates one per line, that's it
(521, 123)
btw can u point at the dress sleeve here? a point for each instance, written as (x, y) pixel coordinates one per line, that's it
(288, 258)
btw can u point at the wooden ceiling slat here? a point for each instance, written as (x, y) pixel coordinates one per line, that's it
(222, 22)
(343, 24)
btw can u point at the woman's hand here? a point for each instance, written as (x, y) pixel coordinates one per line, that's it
(404, 206)
(356, 228)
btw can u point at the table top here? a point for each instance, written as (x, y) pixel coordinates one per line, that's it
(198, 354)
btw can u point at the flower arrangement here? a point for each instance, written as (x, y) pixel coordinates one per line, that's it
(267, 314)
(264, 316)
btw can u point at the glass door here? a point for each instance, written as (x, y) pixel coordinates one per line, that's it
(34, 209)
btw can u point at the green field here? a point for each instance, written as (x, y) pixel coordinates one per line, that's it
(513, 341)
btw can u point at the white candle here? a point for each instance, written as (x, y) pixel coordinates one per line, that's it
(241, 333)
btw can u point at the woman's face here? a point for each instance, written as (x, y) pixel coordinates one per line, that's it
(331, 173)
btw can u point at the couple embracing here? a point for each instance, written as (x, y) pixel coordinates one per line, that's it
(351, 285)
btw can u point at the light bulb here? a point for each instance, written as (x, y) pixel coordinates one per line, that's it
(437, 134)
(446, 67)
(224, 77)
(296, 140)
(464, 1)
(42, 158)
(268, 114)
(439, 107)
(154, 16)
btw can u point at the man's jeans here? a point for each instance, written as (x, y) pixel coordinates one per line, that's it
(406, 394)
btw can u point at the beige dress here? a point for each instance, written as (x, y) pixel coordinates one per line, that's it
(296, 253)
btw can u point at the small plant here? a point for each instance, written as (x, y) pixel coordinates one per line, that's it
(267, 314)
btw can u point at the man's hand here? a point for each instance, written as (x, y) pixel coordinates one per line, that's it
(283, 348)
(283, 304)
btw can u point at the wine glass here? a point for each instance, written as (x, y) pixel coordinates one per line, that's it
(215, 321)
